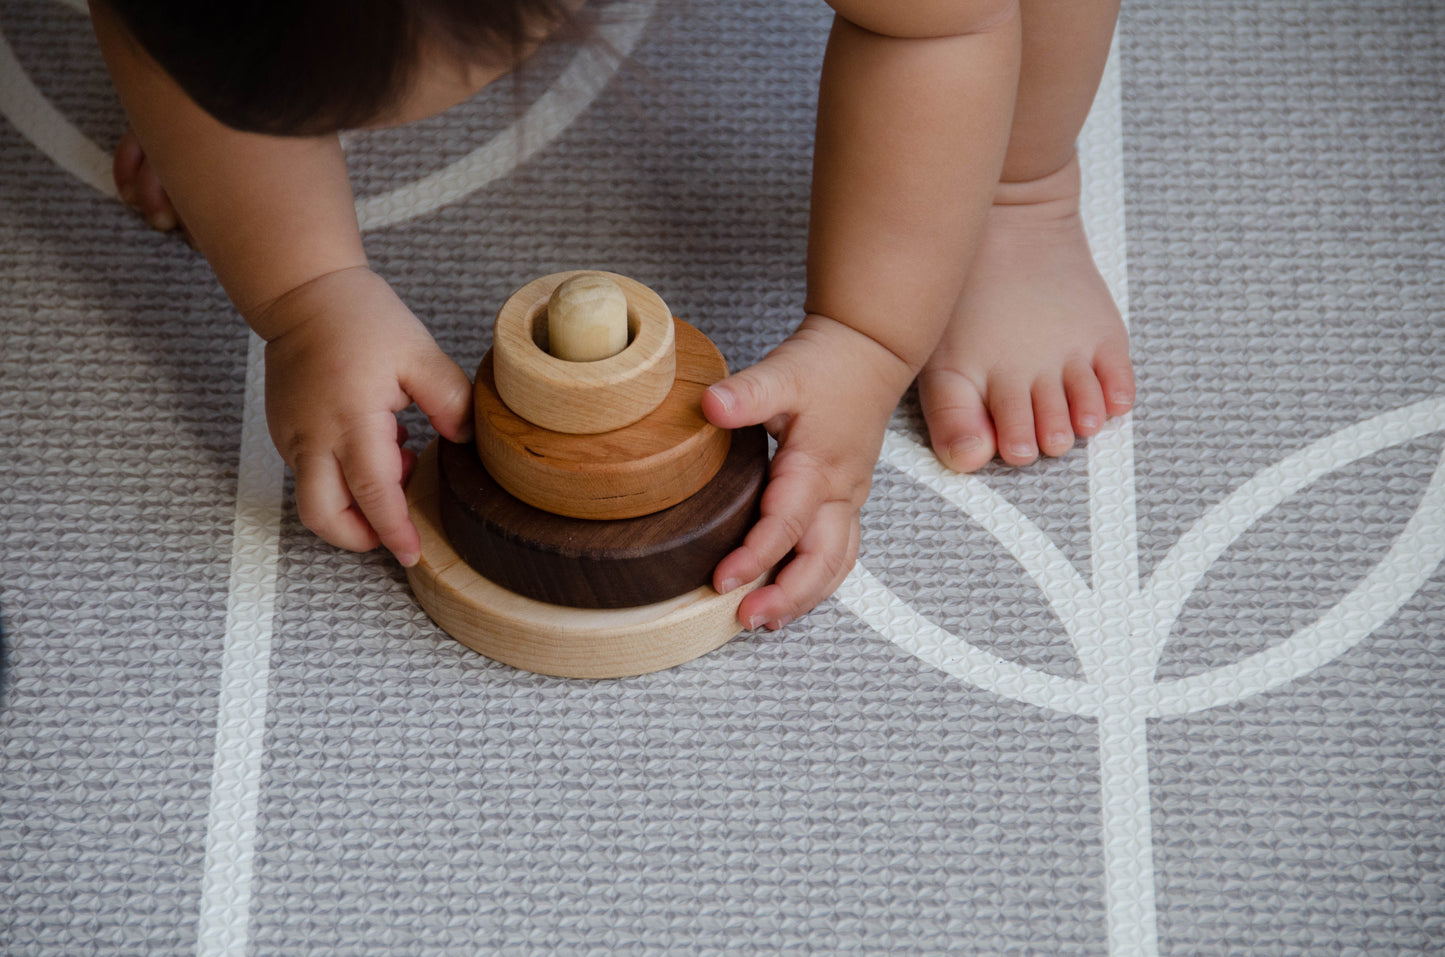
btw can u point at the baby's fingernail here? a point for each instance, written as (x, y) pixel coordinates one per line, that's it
(408, 559)
(728, 585)
(754, 622)
(725, 397)
(778, 623)
(165, 221)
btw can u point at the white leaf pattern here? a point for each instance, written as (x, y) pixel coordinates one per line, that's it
(1118, 628)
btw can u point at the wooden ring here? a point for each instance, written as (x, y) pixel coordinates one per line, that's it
(642, 468)
(582, 397)
(591, 564)
(549, 639)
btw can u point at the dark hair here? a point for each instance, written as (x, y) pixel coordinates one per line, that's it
(301, 67)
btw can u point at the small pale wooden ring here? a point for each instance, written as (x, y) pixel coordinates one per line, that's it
(583, 398)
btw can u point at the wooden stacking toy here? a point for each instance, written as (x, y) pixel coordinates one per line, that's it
(577, 536)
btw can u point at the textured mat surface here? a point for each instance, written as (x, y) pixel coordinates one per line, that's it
(1178, 692)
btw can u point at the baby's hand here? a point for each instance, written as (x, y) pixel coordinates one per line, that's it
(826, 395)
(350, 357)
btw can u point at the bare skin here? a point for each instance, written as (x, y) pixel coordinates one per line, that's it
(1035, 352)
(945, 245)
(915, 106)
(1015, 339)
(275, 218)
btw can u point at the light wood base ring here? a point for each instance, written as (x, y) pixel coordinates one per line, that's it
(549, 639)
(582, 397)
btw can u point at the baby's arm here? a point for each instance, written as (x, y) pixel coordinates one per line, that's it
(275, 218)
(913, 117)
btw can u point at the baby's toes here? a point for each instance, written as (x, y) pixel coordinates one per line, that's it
(1086, 399)
(959, 426)
(1116, 378)
(1052, 426)
(1012, 408)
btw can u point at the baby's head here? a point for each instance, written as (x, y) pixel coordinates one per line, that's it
(300, 67)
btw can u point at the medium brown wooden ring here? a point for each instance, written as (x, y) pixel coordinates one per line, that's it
(652, 464)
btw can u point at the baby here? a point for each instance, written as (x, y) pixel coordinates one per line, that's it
(945, 244)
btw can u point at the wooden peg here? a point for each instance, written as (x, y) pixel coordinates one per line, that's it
(587, 319)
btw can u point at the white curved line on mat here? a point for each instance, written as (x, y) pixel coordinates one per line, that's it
(873, 602)
(1055, 575)
(553, 111)
(43, 125)
(1412, 559)
(1190, 558)
(585, 77)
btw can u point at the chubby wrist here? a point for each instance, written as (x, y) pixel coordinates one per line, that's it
(857, 350)
(283, 313)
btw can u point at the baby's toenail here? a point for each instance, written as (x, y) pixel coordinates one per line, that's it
(963, 447)
(1022, 451)
(1059, 440)
(1088, 422)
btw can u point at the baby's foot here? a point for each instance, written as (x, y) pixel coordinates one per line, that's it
(1036, 352)
(139, 186)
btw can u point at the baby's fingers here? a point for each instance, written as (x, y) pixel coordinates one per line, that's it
(760, 395)
(823, 558)
(373, 467)
(139, 186)
(443, 392)
(789, 507)
(324, 504)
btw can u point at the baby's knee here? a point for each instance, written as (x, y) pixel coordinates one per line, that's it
(923, 19)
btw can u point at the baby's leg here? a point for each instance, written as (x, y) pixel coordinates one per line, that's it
(1036, 352)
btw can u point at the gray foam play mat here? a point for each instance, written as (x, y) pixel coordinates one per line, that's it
(1178, 692)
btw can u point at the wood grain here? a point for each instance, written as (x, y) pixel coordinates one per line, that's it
(599, 564)
(548, 639)
(652, 464)
(582, 397)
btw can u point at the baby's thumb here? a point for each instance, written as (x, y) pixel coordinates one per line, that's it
(751, 397)
(442, 390)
